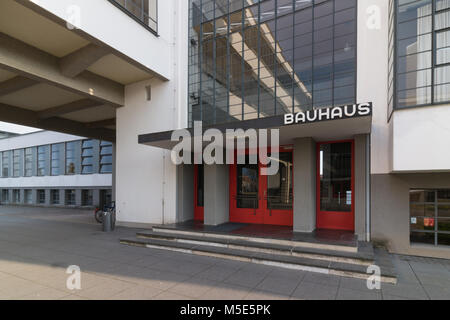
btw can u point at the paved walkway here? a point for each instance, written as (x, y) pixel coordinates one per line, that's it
(37, 246)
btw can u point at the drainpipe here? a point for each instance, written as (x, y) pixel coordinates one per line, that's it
(368, 187)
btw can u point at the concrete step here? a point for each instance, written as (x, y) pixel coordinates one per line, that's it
(283, 261)
(359, 258)
(332, 246)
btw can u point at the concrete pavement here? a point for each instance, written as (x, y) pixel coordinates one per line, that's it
(37, 245)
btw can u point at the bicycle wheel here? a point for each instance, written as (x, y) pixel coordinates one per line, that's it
(99, 215)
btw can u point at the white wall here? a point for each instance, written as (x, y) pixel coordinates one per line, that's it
(372, 75)
(36, 139)
(146, 177)
(75, 181)
(105, 22)
(421, 139)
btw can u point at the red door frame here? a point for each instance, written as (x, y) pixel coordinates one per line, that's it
(199, 212)
(262, 215)
(332, 219)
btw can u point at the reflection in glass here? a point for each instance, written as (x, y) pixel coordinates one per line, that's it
(247, 185)
(280, 186)
(336, 177)
(254, 59)
(200, 185)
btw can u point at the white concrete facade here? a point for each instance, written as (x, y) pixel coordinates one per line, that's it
(412, 141)
(146, 177)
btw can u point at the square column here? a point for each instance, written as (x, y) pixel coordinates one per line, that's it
(217, 197)
(360, 186)
(185, 192)
(304, 185)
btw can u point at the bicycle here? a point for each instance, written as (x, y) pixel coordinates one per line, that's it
(99, 213)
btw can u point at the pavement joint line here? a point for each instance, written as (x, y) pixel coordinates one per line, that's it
(420, 282)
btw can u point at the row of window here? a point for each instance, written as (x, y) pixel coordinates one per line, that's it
(87, 197)
(422, 53)
(56, 155)
(430, 217)
(144, 11)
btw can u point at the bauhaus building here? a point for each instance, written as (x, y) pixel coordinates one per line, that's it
(359, 91)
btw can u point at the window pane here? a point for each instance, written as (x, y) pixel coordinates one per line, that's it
(443, 196)
(442, 20)
(422, 196)
(421, 237)
(444, 239)
(442, 4)
(414, 97)
(444, 211)
(336, 177)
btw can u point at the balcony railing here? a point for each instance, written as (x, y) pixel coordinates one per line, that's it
(143, 11)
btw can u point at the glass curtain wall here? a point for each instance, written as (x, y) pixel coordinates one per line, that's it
(423, 52)
(252, 59)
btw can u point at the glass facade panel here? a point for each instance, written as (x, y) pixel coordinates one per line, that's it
(5, 164)
(87, 157)
(430, 216)
(28, 162)
(28, 194)
(70, 197)
(54, 197)
(145, 11)
(41, 160)
(70, 158)
(56, 156)
(257, 59)
(40, 196)
(16, 163)
(87, 197)
(422, 53)
(336, 177)
(280, 186)
(106, 157)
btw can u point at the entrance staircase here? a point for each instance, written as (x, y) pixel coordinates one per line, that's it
(347, 260)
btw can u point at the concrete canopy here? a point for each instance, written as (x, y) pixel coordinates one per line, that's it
(319, 131)
(56, 78)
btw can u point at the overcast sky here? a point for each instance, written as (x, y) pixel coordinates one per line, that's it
(14, 128)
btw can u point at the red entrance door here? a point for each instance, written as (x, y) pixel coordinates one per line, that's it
(199, 193)
(335, 185)
(259, 199)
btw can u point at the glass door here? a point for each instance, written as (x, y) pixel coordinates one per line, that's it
(278, 194)
(335, 185)
(245, 193)
(199, 183)
(259, 199)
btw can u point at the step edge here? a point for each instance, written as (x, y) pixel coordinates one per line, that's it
(252, 246)
(332, 247)
(298, 266)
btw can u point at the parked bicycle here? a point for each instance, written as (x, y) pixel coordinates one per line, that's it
(100, 212)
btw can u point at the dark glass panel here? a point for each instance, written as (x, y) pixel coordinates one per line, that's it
(336, 177)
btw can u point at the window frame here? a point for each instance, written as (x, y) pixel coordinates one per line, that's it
(138, 20)
(40, 192)
(54, 147)
(52, 193)
(16, 164)
(91, 156)
(436, 217)
(106, 144)
(39, 162)
(28, 172)
(66, 158)
(6, 164)
(70, 192)
(434, 65)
